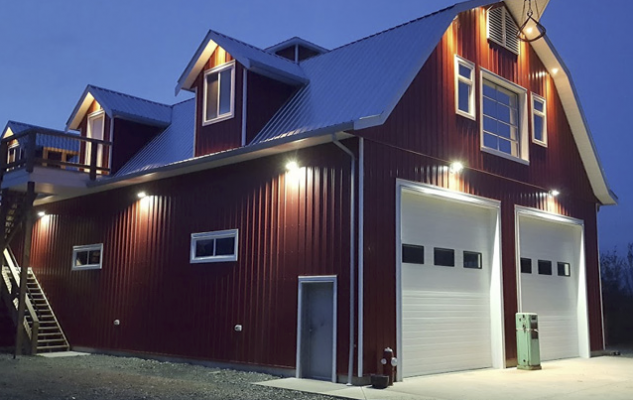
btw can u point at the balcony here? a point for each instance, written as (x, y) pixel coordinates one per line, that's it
(57, 163)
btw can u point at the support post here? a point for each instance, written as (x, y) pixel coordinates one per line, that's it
(4, 158)
(24, 272)
(4, 210)
(93, 160)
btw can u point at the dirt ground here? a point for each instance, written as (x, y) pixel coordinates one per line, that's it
(104, 377)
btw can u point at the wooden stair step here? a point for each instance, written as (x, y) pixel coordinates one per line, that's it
(49, 348)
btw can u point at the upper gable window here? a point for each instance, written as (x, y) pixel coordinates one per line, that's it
(502, 29)
(219, 93)
(539, 120)
(96, 126)
(504, 129)
(464, 87)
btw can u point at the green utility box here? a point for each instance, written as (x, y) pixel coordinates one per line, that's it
(528, 352)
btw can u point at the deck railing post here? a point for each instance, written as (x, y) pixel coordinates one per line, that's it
(30, 151)
(93, 160)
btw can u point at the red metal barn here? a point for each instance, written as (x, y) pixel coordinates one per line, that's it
(310, 207)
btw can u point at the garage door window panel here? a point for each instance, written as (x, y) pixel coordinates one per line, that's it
(412, 254)
(564, 269)
(444, 257)
(526, 265)
(544, 267)
(472, 260)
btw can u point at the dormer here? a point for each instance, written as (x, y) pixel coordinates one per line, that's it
(238, 90)
(128, 122)
(296, 49)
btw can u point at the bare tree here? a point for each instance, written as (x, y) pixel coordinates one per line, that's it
(617, 292)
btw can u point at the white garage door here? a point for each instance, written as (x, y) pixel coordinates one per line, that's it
(550, 272)
(447, 251)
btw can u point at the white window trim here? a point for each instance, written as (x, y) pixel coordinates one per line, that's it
(230, 114)
(536, 97)
(459, 61)
(99, 114)
(213, 235)
(88, 247)
(524, 148)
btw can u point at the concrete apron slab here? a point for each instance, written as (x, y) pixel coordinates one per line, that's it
(577, 379)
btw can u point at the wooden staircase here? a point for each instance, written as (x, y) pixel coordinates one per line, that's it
(42, 327)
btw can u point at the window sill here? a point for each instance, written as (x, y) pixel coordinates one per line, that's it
(538, 142)
(213, 259)
(466, 115)
(86, 268)
(219, 119)
(505, 155)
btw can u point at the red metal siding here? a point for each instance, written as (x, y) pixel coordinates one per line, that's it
(223, 135)
(265, 96)
(423, 134)
(128, 138)
(287, 227)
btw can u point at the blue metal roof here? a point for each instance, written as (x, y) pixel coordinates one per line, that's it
(43, 140)
(251, 57)
(121, 105)
(359, 83)
(172, 145)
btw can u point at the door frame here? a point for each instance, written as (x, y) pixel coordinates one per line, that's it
(582, 308)
(497, 329)
(307, 280)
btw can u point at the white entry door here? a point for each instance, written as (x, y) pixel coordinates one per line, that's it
(448, 251)
(550, 273)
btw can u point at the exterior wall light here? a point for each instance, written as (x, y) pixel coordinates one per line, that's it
(554, 71)
(554, 193)
(141, 195)
(292, 166)
(41, 214)
(456, 167)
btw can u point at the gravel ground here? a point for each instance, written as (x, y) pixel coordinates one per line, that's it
(104, 377)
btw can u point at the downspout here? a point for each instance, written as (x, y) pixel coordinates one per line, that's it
(361, 256)
(352, 257)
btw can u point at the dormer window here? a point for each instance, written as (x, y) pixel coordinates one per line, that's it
(219, 93)
(96, 125)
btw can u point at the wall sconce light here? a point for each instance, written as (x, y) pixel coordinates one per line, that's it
(141, 195)
(292, 166)
(554, 193)
(456, 167)
(41, 214)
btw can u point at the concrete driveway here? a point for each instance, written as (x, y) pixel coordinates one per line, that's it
(576, 379)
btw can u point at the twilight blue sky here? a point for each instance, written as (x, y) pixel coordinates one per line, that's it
(50, 50)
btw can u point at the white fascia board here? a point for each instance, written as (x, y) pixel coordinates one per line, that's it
(577, 120)
(197, 62)
(80, 110)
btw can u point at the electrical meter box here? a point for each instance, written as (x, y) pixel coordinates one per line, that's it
(528, 351)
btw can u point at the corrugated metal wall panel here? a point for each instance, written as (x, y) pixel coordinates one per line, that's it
(424, 134)
(288, 227)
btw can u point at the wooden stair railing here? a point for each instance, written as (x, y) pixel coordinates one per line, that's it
(41, 325)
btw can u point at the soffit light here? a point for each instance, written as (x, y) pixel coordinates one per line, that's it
(41, 214)
(554, 193)
(530, 24)
(141, 195)
(456, 167)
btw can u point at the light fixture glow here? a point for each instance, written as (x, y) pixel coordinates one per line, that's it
(529, 30)
(456, 167)
(41, 214)
(292, 166)
(554, 193)
(141, 195)
(554, 71)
